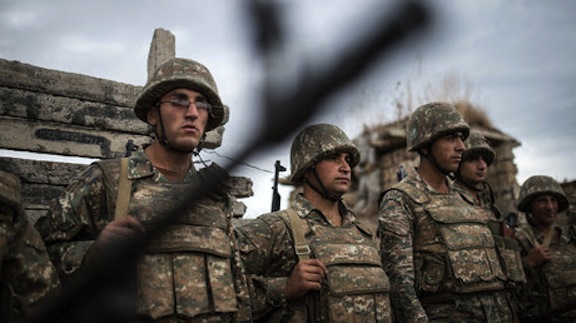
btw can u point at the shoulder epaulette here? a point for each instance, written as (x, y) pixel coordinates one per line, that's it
(412, 192)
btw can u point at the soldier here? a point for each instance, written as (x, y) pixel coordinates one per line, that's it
(548, 250)
(436, 245)
(27, 277)
(471, 180)
(191, 271)
(314, 262)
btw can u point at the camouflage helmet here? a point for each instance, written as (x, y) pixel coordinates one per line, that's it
(541, 185)
(476, 144)
(181, 73)
(316, 142)
(432, 121)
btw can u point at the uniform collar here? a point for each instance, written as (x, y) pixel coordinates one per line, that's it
(305, 210)
(421, 184)
(139, 166)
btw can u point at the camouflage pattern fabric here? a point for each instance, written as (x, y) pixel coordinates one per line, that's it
(440, 257)
(267, 248)
(554, 283)
(192, 270)
(27, 275)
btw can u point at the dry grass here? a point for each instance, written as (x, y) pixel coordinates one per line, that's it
(473, 114)
(452, 88)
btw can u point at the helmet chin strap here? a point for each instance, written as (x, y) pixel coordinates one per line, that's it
(322, 191)
(164, 141)
(434, 162)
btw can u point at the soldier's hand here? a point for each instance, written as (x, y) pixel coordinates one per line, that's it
(307, 275)
(114, 232)
(216, 180)
(537, 256)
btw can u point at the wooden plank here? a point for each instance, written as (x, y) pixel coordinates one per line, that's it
(14, 74)
(32, 92)
(36, 172)
(39, 196)
(69, 111)
(42, 172)
(495, 136)
(44, 137)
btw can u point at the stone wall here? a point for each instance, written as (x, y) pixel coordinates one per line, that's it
(570, 190)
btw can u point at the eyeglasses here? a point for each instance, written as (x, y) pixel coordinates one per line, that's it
(185, 104)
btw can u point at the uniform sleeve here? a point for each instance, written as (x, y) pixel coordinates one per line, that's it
(75, 220)
(395, 231)
(34, 277)
(268, 258)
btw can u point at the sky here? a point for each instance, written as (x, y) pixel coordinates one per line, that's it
(517, 58)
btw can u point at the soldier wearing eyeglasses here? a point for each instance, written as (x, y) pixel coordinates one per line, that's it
(191, 270)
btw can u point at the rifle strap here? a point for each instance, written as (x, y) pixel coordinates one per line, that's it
(124, 190)
(548, 237)
(300, 244)
(546, 243)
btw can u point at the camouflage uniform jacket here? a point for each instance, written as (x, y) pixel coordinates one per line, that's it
(88, 205)
(552, 284)
(421, 244)
(267, 247)
(26, 274)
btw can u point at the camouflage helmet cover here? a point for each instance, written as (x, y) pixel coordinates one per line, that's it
(541, 185)
(316, 142)
(432, 121)
(181, 73)
(476, 144)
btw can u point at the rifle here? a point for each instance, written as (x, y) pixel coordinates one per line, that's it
(275, 195)
(130, 147)
(553, 313)
(401, 173)
(512, 219)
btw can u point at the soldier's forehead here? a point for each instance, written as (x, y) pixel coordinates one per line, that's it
(183, 91)
(544, 196)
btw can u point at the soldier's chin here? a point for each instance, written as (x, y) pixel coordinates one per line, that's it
(188, 146)
(453, 168)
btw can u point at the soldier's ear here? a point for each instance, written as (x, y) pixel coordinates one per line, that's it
(424, 151)
(152, 116)
(308, 172)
